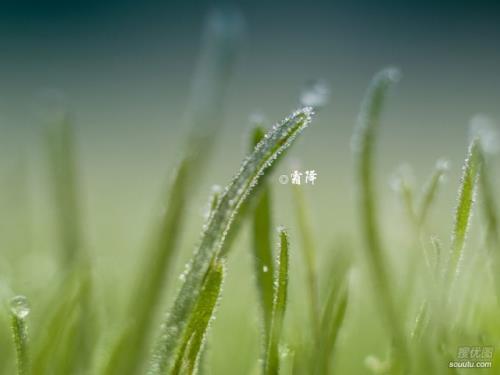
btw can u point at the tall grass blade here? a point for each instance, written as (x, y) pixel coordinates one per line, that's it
(19, 311)
(364, 143)
(196, 330)
(333, 313)
(221, 38)
(264, 154)
(463, 212)
(272, 360)
(263, 254)
(309, 253)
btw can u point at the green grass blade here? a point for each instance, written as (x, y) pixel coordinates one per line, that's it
(272, 360)
(364, 143)
(309, 253)
(463, 212)
(263, 254)
(63, 170)
(197, 327)
(264, 154)
(430, 191)
(333, 313)
(221, 38)
(57, 349)
(19, 311)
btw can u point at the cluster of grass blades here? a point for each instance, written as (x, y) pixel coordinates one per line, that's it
(423, 328)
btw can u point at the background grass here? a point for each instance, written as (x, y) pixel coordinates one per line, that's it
(98, 258)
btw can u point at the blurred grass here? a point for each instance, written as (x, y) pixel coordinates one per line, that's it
(384, 309)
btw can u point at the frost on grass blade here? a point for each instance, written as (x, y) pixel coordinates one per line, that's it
(272, 360)
(363, 144)
(463, 212)
(278, 139)
(204, 311)
(19, 311)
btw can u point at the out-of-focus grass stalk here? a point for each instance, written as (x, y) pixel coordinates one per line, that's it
(204, 117)
(490, 212)
(196, 330)
(253, 167)
(272, 359)
(262, 248)
(19, 311)
(63, 170)
(430, 191)
(364, 143)
(309, 254)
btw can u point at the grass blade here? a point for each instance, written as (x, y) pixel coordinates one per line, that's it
(221, 37)
(263, 254)
(309, 252)
(272, 362)
(264, 154)
(19, 311)
(63, 169)
(333, 312)
(189, 353)
(463, 212)
(430, 191)
(364, 143)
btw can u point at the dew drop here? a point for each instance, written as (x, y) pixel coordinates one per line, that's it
(315, 94)
(265, 269)
(20, 307)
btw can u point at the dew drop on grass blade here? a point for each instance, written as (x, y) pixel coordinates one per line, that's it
(272, 359)
(265, 153)
(19, 311)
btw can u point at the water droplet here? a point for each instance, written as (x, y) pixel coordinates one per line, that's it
(20, 307)
(483, 127)
(265, 269)
(315, 94)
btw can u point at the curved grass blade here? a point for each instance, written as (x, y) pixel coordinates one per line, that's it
(264, 154)
(221, 38)
(463, 212)
(197, 327)
(309, 252)
(19, 311)
(263, 254)
(364, 142)
(272, 362)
